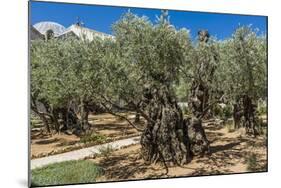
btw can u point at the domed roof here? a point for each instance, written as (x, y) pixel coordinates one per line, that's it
(42, 27)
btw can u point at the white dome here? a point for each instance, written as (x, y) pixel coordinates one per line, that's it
(42, 27)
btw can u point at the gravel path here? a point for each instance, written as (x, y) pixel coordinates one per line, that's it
(81, 153)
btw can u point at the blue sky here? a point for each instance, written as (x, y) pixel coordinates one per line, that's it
(101, 18)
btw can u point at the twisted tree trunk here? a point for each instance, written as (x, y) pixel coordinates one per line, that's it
(249, 113)
(168, 137)
(199, 144)
(199, 98)
(55, 119)
(244, 115)
(237, 115)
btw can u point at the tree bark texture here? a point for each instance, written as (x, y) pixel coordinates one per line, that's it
(168, 137)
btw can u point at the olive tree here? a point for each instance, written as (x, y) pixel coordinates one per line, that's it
(65, 77)
(143, 70)
(243, 74)
(203, 92)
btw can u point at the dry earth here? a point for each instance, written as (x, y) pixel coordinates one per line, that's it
(103, 124)
(229, 151)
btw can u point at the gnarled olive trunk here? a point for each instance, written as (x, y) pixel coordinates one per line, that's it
(166, 137)
(84, 118)
(244, 114)
(199, 144)
(199, 99)
(249, 113)
(55, 119)
(237, 115)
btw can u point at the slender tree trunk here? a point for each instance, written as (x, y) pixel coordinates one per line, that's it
(137, 118)
(84, 116)
(55, 120)
(237, 115)
(64, 113)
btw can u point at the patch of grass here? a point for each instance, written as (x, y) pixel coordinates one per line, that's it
(251, 162)
(93, 137)
(69, 172)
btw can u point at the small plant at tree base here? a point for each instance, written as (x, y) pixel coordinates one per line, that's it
(106, 151)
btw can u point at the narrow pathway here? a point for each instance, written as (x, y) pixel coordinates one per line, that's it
(81, 153)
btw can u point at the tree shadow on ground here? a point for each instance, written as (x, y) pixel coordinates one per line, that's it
(213, 137)
(39, 135)
(125, 132)
(227, 153)
(118, 127)
(117, 168)
(212, 127)
(47, 141)
(66, 143)
(224, 147)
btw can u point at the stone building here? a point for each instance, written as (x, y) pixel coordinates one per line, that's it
(44, 30)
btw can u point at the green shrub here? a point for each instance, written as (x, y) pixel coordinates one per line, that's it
(69, 172)
(93, 137)
(222, 112)
(227, 111)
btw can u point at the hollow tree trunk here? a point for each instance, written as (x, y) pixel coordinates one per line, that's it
(166, 135)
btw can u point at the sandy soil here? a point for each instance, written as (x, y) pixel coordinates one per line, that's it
(103, 124)
(229, 151)
(111, 126)
(45, 144)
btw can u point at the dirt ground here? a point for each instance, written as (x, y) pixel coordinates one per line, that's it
(229, 153)
(104, 124)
